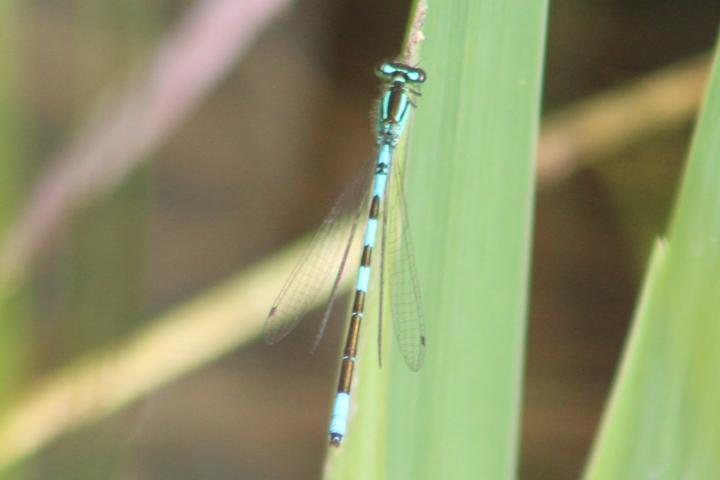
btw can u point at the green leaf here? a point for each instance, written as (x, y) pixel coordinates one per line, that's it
(663, 416)
(470, 198)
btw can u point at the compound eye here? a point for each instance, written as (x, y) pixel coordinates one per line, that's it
(415, 75)
(386, 69)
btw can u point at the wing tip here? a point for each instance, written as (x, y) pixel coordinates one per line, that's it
(273, 333)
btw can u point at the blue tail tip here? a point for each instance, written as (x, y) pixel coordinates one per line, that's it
(335, 439)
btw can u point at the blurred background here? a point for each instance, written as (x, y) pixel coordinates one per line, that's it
(253, 163)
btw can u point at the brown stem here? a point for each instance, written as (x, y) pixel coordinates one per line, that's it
(609, 122)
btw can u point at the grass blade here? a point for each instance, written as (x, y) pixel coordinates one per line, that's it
(471, 197)
(470, 191)
(663, 413)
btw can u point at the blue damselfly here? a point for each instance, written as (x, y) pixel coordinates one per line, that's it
(396, 256)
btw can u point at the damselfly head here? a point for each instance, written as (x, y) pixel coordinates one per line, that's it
(396, 71)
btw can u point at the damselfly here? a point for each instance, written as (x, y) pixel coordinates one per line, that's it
(322, 264)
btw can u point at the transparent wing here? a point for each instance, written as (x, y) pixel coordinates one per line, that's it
(321, 268)
(383, 271)
(401, 275)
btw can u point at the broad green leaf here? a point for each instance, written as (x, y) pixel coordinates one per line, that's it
(470, 197)
(663, 417)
